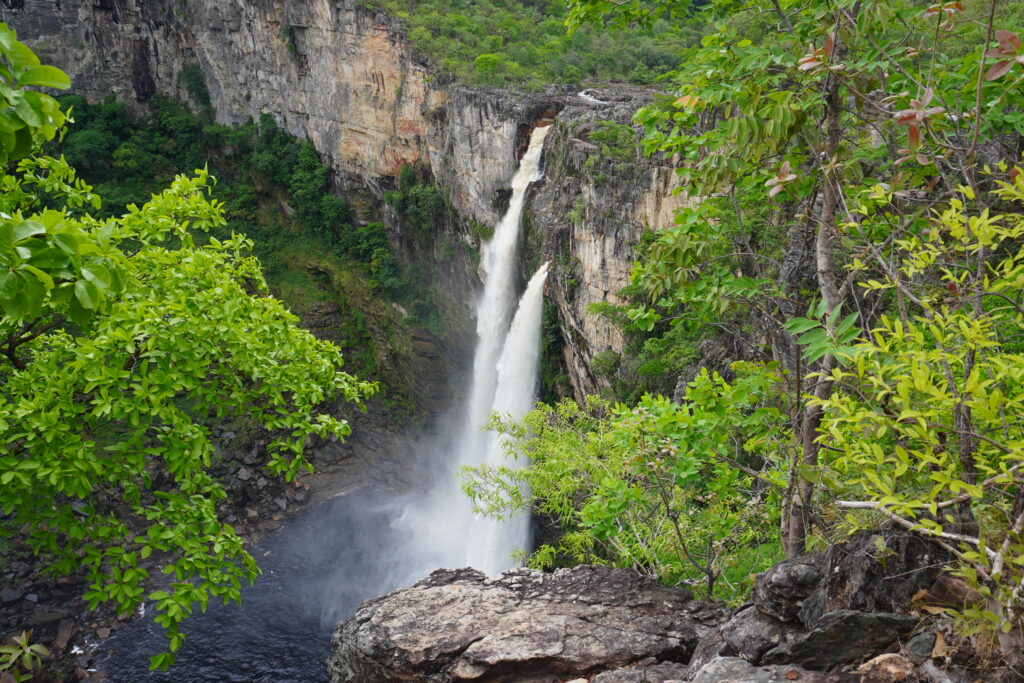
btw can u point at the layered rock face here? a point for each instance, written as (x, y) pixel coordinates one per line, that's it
(342, 76)
(326, 70)
(589, 214)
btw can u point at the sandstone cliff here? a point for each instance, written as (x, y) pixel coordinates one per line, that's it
(342, 76)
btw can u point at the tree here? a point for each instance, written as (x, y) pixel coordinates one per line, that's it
(842, 228)
(123, 341)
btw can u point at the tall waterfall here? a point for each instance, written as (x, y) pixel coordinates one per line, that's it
(444, 530)
(494, 309)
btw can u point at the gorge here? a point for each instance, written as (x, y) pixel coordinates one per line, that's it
(773, 315)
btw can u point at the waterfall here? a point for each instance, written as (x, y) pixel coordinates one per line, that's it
(443, 529)
(494, 309)
(492, 542)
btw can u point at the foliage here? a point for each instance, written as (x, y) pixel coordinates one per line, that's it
(930, 419)
(26, 114)
(841, 228)
(123, 339)
(526, 43)
(261, 169)
(655, 487)
(19, 659)
(195, 84)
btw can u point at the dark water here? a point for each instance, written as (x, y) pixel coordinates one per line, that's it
(316, 569)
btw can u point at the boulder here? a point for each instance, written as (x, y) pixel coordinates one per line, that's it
(522, 626)
(738, 670)
(751, 633)
(780, 591)
(874, 571)
(842, 637)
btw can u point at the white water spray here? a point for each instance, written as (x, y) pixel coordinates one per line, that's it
(445, 532)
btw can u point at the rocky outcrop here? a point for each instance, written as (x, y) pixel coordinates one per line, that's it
(522, 626)
(606, 625)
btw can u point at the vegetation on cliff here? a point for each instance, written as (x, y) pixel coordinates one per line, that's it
(123, 337)
(857, 234)
(526, 43)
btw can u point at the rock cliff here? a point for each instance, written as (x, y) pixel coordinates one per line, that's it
(342, 76)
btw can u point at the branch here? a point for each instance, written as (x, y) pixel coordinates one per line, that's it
(911, 526)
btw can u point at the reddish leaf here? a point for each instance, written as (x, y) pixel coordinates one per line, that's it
(830, 43)
(998, 70)
(922, 159)
(1008, 41)
(915, 136)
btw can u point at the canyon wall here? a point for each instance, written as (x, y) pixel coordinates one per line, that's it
(341, 75)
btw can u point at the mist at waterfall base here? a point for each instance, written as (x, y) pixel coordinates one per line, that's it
(330, 557)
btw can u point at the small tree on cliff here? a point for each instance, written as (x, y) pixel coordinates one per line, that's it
(120, 340)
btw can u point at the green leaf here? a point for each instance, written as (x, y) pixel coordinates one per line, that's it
(87, 295)
(798, 325)
(8, 283)
(30, 113)
(50, 257)
(97, 275)
(27, 229)
(46, 77)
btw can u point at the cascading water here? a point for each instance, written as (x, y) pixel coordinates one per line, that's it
(494, 309)
(444, 530)
(491, 542)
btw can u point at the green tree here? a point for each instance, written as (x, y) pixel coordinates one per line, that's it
(123, 341)
(842, 229)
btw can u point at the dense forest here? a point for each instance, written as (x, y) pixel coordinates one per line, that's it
(826, 339)
(526, 43)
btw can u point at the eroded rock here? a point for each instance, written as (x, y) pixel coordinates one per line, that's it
(781, 591)
(738, 670)
(841, 637)
(522, 626)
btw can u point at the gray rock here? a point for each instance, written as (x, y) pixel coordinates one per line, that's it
(858, 575)
(781, 591)
(710, 647)
(919, 648)
(652, 673)
(841, 637)
(244, 473)
(737, 670)
(751, 633)
(8, 594)
(522, 626)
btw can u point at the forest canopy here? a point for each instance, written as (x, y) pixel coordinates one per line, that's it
(526, 43)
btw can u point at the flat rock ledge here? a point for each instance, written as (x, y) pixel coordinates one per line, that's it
(525, 625)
